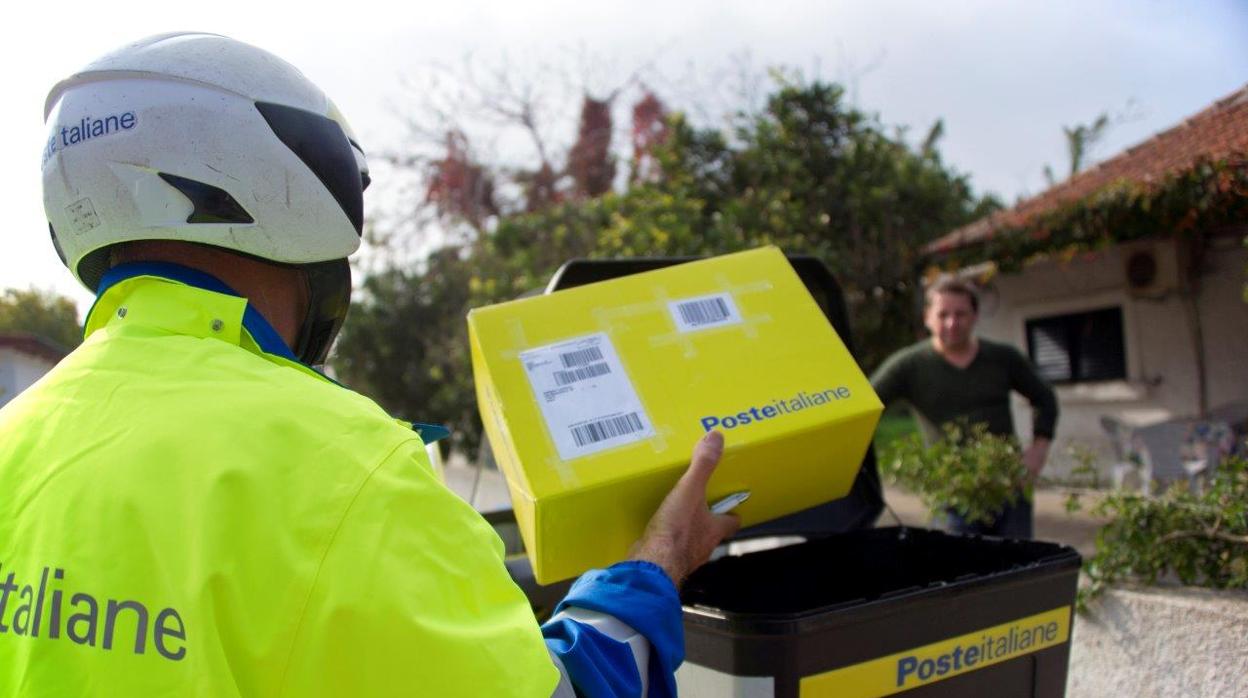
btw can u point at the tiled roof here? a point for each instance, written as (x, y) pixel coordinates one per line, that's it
(1218, 131)
(33, 345)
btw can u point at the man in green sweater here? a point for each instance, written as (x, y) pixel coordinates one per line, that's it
(955, 375)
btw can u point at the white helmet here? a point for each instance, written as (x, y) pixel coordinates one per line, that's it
(204, 139)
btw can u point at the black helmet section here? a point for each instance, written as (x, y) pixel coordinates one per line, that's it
(323, 146)
(209, 204)
(57, 244)
(329, 297)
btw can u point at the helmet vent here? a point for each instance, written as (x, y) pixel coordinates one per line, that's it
(211, 204)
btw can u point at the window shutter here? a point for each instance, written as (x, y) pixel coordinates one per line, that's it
(1078, 347)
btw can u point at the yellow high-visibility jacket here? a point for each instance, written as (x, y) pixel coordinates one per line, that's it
(184, 514)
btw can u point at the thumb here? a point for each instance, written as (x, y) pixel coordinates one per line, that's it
(706, 455)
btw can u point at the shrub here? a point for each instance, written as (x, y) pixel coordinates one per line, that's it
(1199, 538)
(969, 471)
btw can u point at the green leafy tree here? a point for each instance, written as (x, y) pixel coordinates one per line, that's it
(43, 313)
(805, 172)
(405, 344)
(1081, 139)
(820, 178)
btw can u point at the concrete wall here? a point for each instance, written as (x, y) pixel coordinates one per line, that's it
(18, 371)
(1155, 643)
(1160, 351)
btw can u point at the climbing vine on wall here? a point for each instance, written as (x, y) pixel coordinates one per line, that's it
(1209, 195)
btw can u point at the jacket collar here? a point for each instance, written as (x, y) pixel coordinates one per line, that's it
(190, 302)
(261, 332)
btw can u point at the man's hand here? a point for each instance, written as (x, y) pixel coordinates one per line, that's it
(1034, 458)
(683, 532)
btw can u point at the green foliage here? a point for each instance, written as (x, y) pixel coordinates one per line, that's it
(1199, 539)
(406, 342)
(896, 423)
(44, 313)
(1084, 476)
(1080, 140)
(1209, 195)
(969, 471)
(806, 173)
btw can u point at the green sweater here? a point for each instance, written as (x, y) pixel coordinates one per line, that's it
(942, 392)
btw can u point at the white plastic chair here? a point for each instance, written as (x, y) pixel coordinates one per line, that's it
(1126, 460)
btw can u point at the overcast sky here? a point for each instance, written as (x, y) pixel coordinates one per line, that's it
(1004, 76)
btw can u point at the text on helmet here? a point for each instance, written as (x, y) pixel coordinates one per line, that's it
(86, 129)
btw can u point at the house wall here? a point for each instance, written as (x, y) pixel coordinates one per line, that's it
(1160, 350)
(1224, 315)
(18, 371)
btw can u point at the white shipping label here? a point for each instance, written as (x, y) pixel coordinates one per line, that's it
(715, 310)
(588, 401)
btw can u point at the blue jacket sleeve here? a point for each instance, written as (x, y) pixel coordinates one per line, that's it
(640, 595)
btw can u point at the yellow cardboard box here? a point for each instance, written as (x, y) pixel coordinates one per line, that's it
(593, 398)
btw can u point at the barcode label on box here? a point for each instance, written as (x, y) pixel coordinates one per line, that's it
(580, 374)
(606, 429)
(580, 357)
(700, 313)
(585, 396)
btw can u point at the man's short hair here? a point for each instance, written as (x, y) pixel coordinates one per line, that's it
(955, 286)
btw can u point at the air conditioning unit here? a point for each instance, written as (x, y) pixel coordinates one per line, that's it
(1151, 267)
